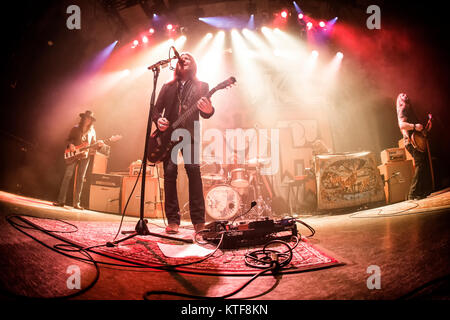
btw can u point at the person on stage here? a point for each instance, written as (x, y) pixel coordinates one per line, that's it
(83, 133)
(408, 122)
(173, 100)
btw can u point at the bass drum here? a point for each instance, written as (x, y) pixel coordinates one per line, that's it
(222, 202)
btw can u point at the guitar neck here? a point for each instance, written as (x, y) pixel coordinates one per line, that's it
(183, 117)
(94, 144)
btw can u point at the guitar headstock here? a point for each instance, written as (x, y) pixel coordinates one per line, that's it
(430, 116)
(225, 84)
(115, 137)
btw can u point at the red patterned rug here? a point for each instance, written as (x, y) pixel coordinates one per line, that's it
(145, 249)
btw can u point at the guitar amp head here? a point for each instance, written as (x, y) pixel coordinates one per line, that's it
(393, 155)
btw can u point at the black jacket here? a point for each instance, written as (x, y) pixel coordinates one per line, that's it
(168, 101)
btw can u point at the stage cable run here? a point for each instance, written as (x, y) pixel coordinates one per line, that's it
(265, 259)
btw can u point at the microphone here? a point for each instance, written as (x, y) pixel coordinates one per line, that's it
(253, 204)
(162, 64)
(180, 61)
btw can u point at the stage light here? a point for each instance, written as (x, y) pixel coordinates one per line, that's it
(340, 55)
(297, 8)
(314, 53)
(144, 39)
(169, 27)
(300, 16)
(251, 22)
(322, 24)
(284, 14)
(309, 25)
(151, 31)
(332, 21)
(212, 57)
(199, 49)
(135, 43)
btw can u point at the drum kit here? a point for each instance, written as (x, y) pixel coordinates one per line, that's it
(230, 189)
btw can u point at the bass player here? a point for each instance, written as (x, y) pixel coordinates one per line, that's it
(408, 122)
(83, 133)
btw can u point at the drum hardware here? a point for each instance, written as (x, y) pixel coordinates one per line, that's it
(226, 194)
(239, 178)
(222, 202)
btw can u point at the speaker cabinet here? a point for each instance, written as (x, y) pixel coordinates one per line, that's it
(99, 163)
(398, 177)
(104, 193)
(347, 180)
(153, 200)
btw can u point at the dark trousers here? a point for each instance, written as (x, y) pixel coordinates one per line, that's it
(421, 182)
(196, 200)
(70, 169)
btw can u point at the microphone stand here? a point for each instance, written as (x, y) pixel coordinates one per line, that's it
(141, 228)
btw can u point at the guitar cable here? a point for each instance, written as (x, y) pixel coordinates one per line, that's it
(128, 200)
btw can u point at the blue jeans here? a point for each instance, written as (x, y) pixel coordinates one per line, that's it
(81, 173)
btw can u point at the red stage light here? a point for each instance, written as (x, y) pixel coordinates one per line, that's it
(151, 30)
(169, 27)
(322, 24)
(284, 14)
(309, 25)
(144, 39)
(300, 16)
(135, 42)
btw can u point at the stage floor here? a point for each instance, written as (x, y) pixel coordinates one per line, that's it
(408, 241)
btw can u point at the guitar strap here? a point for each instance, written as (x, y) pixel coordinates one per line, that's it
(187, 96)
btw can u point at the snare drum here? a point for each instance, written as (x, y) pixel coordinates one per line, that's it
(239, 178)
(222, 202)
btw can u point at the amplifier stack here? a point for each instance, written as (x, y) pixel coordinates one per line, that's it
(397, 172)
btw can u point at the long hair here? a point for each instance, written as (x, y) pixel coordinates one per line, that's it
(193, 69)
(83, 121)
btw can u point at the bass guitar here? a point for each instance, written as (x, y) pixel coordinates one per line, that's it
(419, 139)
(82, 151)
(160, 143)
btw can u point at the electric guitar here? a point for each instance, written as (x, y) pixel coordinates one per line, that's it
(82, 151)
(419, 139)
(160, 143)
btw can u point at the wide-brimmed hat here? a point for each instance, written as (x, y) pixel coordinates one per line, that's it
(88, 114)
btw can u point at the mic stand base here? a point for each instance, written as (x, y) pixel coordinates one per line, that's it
(142, 230)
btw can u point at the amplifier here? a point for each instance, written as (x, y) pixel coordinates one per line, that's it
(153, 202)
(107, 180)
(399, 176)
(135, 168)
(392, 155)
(104, 193)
